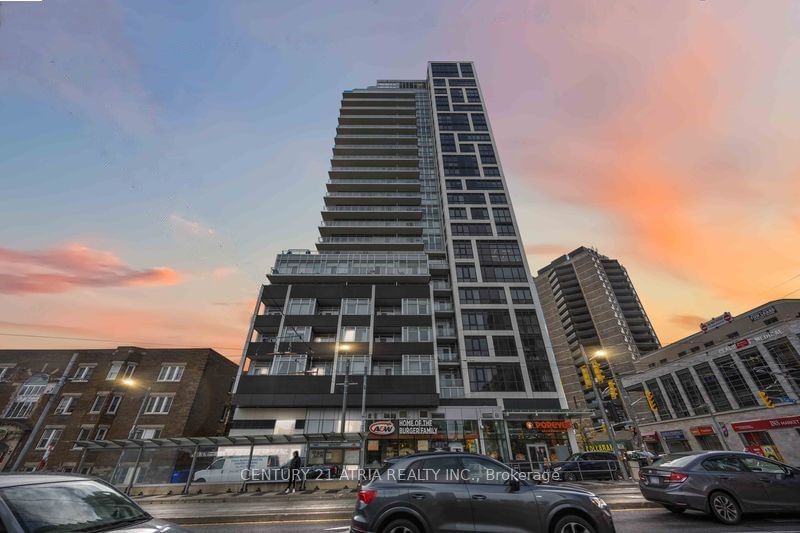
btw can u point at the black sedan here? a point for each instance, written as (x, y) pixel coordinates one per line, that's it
(724, 484)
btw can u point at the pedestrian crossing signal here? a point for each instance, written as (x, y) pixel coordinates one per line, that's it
(766, 399)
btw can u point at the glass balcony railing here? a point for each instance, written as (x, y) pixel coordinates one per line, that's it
(445, 357)
(370, 208)
(366, 240)
(370, 223)
(451, 392)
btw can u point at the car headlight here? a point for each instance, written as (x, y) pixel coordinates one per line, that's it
(599, 502)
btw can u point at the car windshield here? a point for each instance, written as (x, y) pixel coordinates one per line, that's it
(573, 457)
(677, 461)
(70, 506)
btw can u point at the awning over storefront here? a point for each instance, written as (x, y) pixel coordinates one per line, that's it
(238, 440)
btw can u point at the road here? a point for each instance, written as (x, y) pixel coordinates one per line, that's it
(627, 521)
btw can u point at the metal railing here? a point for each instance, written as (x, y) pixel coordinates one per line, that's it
(572, 470)
(368, 223)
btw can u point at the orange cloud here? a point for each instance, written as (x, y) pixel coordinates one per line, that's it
(71, 267)
(549, 250)
(688, 321)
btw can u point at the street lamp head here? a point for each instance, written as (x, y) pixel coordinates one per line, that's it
(129, 382)
(600, 353)
(344, 347)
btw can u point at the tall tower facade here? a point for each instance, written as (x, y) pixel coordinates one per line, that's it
(418, 300)
(590, 303)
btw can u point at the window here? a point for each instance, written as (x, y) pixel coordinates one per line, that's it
(466, 273)
(158, 404)
(474, 137)
(497, 198)
(502, 215)
(301, 306)
(457, 95)
(491, 171)
(466, 148)
(439, 82)
(416, 306)
(527, 322)
(487, 154)
(466, 198)
(495, 319)
(446, 70)
(505, 230)
(723, 464)
(354, 334)
(462, 249)
(460, 165)
(453, 122)
(760, 371)
(479, 213)
(458, 213)
(484, 185)
(355, 306)
(434, 470)
(296, 334)
(479, 122)
(442, 103)
(483, 295)
(84, 432)
(496, 378)
(418, 365)
(358, 364)
(471, 229)
(674, 396)
(505, 346)
(417, 334)
(476, 346)
(473, 96)
(466, 70)
(284, 365)
(761, 465)
(113, 405)
(504, 274)
(499, 253)
(738, 386)
(147, 433)
(693, 394)
(49, 438)
(113, 371)
(171, 373)
(66, 405)
(480, 471)
(521, 295)
(661, 404)
(130, 368)
(20, 408)
(787, 358)
(101, 434)
(440, 91)
(260, 369)
(82, 373)
(98, 402)
(448, 142)
(454, 185)
(462, 83)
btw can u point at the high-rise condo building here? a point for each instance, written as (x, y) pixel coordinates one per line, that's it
(418, 287)
(589, 305)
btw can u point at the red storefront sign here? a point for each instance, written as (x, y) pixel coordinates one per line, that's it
(699, 431)
(742, 343)
(649, 437)
(769, 423)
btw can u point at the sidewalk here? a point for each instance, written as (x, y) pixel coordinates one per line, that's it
(332, 504)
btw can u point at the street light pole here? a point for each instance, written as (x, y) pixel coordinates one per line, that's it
(346, 384)
(626, 407)
(611, 435)
(139, 413)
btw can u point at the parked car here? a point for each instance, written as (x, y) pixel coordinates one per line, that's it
(58, 502)
(587, 465)
(724, 484)
(457, 492)
(263, 468)
(643, 457)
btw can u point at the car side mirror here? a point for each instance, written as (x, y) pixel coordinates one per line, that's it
(513, 483)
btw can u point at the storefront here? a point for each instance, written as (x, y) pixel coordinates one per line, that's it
(397, 437)
(652, 443)
(760, 436)
(706, 437)
(539, 441)
(675, 441)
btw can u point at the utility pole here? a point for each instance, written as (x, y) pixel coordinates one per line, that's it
(626, 406)
(363, 454)
(346, 383)
(611, 435)
(43, 416)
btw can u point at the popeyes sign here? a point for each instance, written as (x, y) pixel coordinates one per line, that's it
(548, 425)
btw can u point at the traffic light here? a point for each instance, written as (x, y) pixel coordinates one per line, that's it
(651, 401)
(766, 399)
(587, 379)
(598, 372)
(612, 389)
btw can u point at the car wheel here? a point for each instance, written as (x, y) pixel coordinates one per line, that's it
(573, 524)
(201, 480)
(675, 510)
(401, 525)
(724, 508)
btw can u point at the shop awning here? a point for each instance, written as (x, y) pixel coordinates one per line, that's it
(237, 440)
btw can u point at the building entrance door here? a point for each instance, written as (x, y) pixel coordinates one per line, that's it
(538, 454)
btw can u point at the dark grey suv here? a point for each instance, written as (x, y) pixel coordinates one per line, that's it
(724, 484)
(461, 492)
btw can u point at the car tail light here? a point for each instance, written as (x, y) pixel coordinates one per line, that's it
(367, 495)
(642, 477)
(675, 477)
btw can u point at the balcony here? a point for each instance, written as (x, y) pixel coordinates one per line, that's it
(445, 357)
(347, 119)
(377, 171)
(375, 138)
(376, 150)
(383, 131)
(451, 392)
(378, 109)
(345, 227)
(310, 267)
(377, 212)
(443, 307)
(372, 198)
(370, 243)
(372, 184)
(439, 285)
(445, 333)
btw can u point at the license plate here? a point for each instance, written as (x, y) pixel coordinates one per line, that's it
(654, 480)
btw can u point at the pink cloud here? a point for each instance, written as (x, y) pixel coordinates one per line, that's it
(71, 267)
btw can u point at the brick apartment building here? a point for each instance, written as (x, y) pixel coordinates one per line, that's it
(180, 392)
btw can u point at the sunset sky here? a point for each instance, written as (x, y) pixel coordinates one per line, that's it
(155, 156)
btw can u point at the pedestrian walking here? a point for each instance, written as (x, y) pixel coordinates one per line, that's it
(294, 472)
